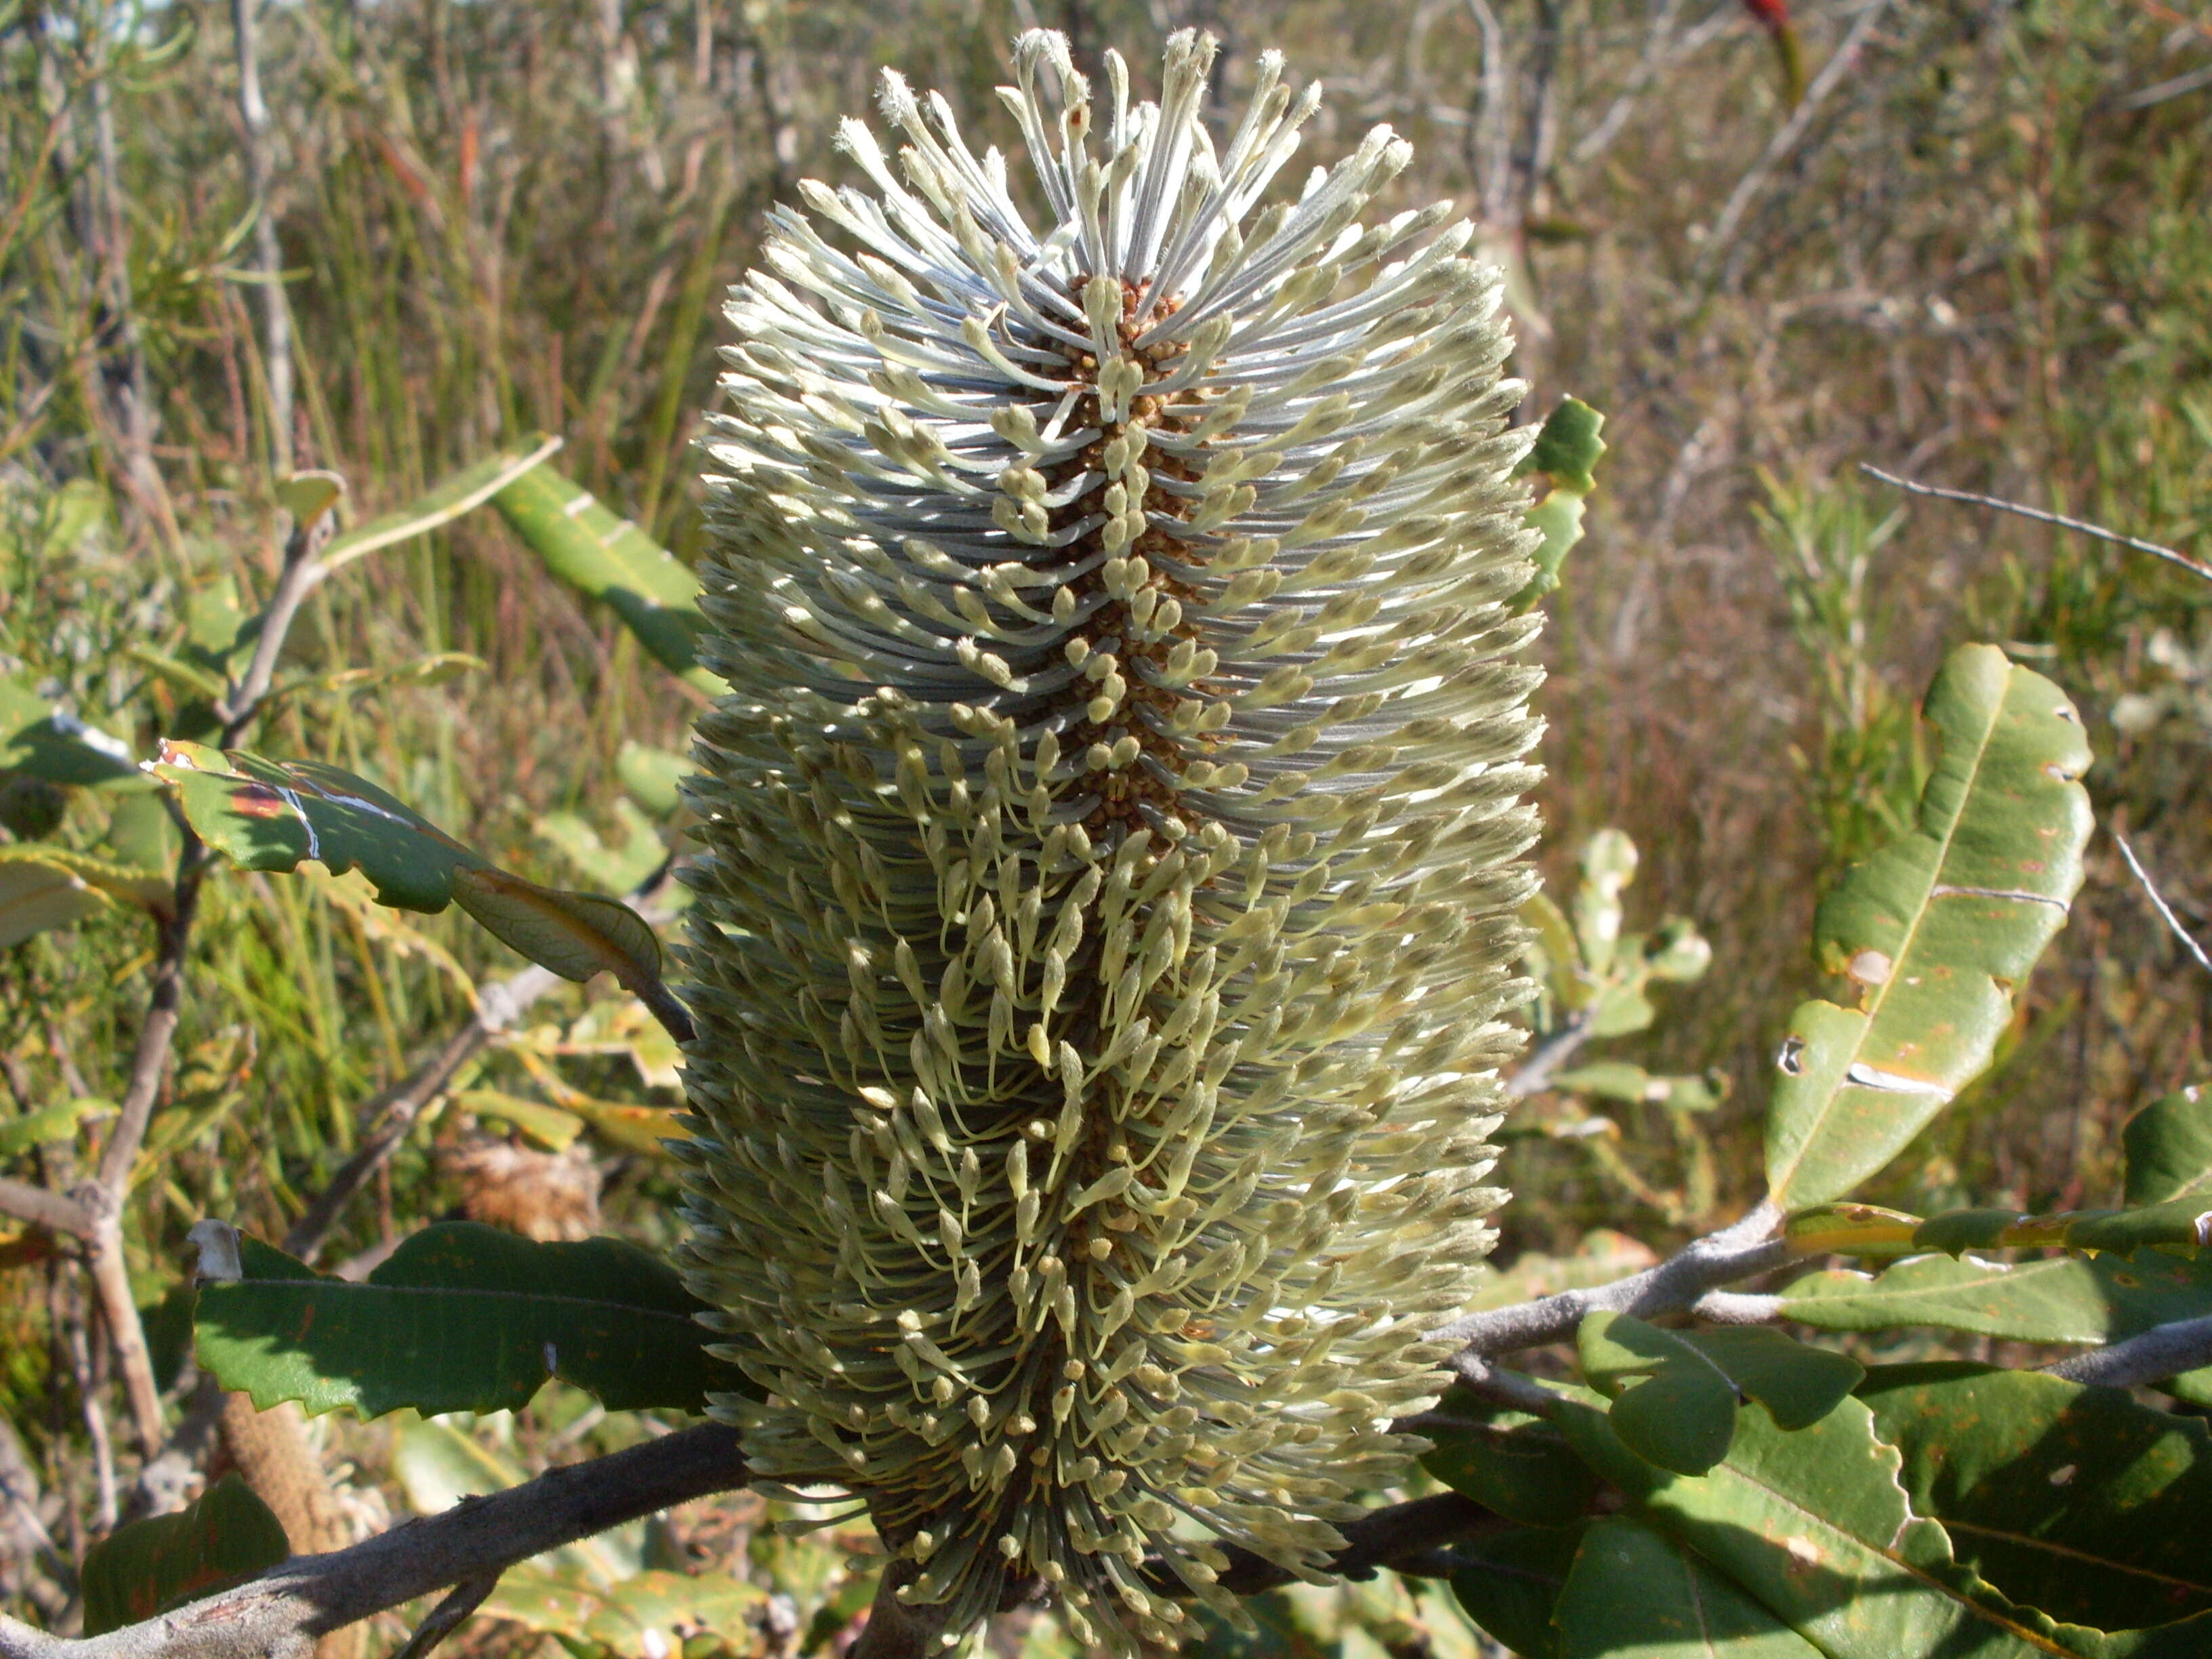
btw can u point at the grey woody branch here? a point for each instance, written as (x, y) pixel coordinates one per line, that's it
(2159, 1352)
(1735, 1253)
(281, 1614)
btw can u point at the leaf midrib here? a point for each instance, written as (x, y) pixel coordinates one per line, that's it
(340, 1287)
(1873, 1011)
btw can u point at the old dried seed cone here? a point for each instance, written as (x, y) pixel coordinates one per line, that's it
(1112, 838)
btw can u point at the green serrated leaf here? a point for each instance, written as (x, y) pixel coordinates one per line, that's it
(463, 1318)
(2076, 1499)
(1517, 1465)
(1568, 447)
(1815, 1525)
(224, 1537)
(611, 560)
(1635, 1593)
(1559, 520)
(272, 815)
(1939, 929)
(2169, 1148)
(150, 889)
(2058, 1299)
(436, 669)
(1509, 1583)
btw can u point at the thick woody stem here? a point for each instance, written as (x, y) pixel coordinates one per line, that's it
(280, 1614)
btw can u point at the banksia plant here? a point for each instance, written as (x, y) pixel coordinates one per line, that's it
(1112, 840)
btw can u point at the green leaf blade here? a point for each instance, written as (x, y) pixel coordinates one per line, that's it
(2169, 1148)
(222, 1538)
(1634, 1593)
(1939, 928)
(463, 1318)
(611, 560)
(2076, 1499)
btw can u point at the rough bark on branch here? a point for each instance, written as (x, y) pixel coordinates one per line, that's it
(1734, 1252)
(279, 1615)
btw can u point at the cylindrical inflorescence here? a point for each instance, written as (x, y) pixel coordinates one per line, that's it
(1111, 841)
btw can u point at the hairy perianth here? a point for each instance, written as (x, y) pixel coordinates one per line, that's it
(1112, 839)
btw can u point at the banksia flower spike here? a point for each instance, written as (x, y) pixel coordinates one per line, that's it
(1111, 840)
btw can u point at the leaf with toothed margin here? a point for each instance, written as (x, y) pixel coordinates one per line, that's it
(1819, 1526)
(463, 1318)
(1566, 452)
(271, 815)
(2076, 1499)
(1937, 930)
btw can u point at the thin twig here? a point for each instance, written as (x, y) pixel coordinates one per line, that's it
(1551, 1053)
(2082, 526)
(268, 258)
(1739, 1252)
(1594, 142)
(390, 1115)
(2158, 901)
(55, 1212)
(2159, 1352)
(394, 1112)
(1720, 245)
(462, 1601)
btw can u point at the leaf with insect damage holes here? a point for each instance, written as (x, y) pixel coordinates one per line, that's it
(1937, 930)
(2075, 1499)
(463, 1318)
(611, 559)
(271, 815)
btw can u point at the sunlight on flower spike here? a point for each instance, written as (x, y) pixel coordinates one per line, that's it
(1112, 838)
